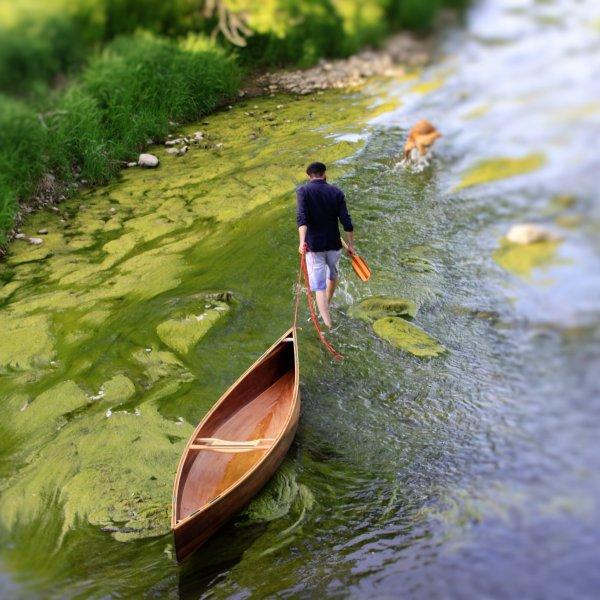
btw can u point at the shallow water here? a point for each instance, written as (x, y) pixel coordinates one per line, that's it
(468, 474)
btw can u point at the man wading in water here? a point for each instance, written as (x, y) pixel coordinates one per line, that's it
(320, 205)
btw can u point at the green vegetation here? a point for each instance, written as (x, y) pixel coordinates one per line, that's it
(495, 169)
(110, 356)
(84, 86)
(524, 259)
(109, 114)
(376, 307)
(407, 337)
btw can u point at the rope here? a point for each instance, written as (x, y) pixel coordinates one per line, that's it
(303, 271)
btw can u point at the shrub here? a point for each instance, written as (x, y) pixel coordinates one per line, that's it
(36, 50)
(302, 32)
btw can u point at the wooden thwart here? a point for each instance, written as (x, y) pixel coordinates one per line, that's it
(218, 445)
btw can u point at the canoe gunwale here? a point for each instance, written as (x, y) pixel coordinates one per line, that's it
(289, 336)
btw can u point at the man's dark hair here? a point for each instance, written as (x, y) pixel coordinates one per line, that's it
(316, 168)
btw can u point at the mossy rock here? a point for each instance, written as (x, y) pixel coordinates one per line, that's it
(495, 169)
(408, 337)
(524, 259)
(183, 334)
(377, 307)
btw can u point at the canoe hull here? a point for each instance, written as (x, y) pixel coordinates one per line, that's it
(201, 526)
(212, 485)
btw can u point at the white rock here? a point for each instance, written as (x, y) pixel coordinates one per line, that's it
(173, 142)
(529, 233)
(20, 236)
(148, 160)
(182, 150)
(198, 135)
(35, 241)
(132, 164)
(42, 231)
(173, 151)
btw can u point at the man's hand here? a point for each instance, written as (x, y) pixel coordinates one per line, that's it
(302, 248)
(350, 249)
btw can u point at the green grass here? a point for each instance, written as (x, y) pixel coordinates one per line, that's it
(22, 142)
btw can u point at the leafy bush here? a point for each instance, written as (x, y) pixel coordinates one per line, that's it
(302, 32)
(36, 50)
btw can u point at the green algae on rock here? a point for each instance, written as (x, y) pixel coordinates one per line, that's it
(27, 341)
(494, 169)
(281, 495)
(377, 307)
(111, 471)
(406, 336)
(524, 259)
(183, 334)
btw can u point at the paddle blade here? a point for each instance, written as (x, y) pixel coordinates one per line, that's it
(361, 268)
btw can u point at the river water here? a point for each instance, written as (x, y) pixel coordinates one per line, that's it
(475, 473)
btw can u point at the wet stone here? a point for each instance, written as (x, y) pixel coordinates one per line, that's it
(408, 337)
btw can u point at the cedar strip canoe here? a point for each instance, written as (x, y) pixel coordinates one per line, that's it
(237, 447)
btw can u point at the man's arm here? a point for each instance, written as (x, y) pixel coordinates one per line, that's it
(301, 218)
(344, 217)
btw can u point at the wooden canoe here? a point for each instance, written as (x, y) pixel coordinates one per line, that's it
(237, 447)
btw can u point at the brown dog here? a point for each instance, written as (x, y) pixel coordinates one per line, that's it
(420, 139)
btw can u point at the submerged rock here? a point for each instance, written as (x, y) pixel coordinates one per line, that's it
(406, 336)
(148, 160)
(494, 169)
(377, 307)
(523, 259)
(183, 334)
(530, 233)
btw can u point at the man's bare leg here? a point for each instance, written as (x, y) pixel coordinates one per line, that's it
(331, 285)
(323, 305)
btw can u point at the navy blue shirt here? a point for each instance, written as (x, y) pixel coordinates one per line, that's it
(320, 205)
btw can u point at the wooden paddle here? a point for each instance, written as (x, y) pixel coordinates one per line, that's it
(359, 264)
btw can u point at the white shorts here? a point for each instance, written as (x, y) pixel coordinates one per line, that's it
(321, 267)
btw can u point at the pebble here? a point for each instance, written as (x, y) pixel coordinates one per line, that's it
(42, 231)
(148, 160)
(403, 49)
(35, 241)
(20, 236)
(132, 164)
(529, 233)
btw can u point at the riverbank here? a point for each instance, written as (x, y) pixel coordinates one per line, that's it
(399, 54)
